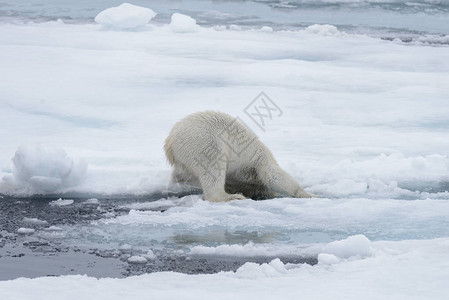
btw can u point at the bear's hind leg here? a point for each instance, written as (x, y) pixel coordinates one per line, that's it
(182, 181)
(180, 174)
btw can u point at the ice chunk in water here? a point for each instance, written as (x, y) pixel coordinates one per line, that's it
(34, 221)
(326, 30)
(137, 260)
(125, 16)
(24, 230)
(61, 202)
(182, 23)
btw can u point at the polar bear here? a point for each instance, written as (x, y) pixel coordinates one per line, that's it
(216, 152)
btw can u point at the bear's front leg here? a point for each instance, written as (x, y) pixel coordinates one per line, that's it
(214, 191)
(212, 181)
(223, 197)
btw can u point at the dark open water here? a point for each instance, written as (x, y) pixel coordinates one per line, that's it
(48, 252)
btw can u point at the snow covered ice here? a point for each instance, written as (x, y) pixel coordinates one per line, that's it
(39, 169)
(364, 97)
(406, 274)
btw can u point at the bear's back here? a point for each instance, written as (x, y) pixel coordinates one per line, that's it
(211, 122)
(209, 130)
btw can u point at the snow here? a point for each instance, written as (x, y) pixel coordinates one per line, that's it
(361, 126)
(61, 202)
(183, 24)
(125, 16)
(397, 270)
(44, 169)
(357, 245)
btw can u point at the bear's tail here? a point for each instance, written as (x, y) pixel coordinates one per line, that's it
(169, 151)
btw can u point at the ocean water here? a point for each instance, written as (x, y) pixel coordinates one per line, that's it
(385, 18)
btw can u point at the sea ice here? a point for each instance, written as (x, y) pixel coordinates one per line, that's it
(325, 30)
(261, 228)
(125, 248)
(357, 245)
(53, 228)
(246, 250)
(24, 230)
(235, 27)
(266, 29)
(92, 201)
(182, 23)
(327, 259)
(61, 202)
(34, 221)
(125, 16)
(358, 101)
(150, 255)
(137, 260)
(252, 270)
(40, 169)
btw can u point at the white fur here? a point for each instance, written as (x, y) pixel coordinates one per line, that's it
(216, 152)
